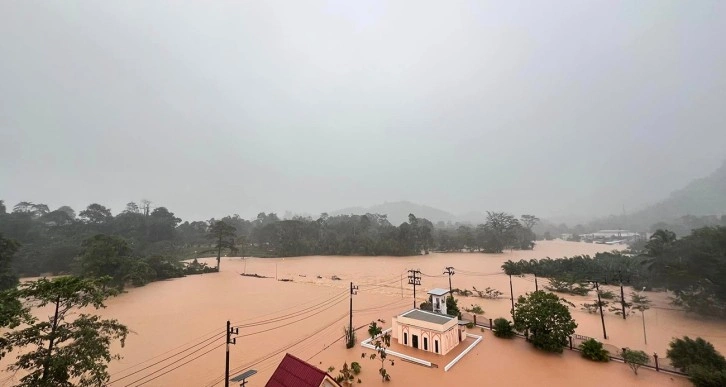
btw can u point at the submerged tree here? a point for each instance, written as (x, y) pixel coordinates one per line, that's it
(61, 351)
(381, 341)
(223, 235)
(545, 320)
(634, 359)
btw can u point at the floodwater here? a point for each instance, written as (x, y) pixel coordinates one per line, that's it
(179, 324)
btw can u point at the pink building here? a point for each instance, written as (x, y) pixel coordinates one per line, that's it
(429, 331)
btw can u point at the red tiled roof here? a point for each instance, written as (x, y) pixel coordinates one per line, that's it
(293, 372)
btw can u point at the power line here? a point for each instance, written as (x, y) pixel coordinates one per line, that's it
(209, 338)
(338, 297)
(276, 352)
(332, 302)
(167, 358)
(169, 365)
(180, 365)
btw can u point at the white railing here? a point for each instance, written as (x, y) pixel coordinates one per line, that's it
(469, 348)
(367, 344)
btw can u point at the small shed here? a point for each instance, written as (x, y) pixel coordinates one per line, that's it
(429, 331)
(438, 299)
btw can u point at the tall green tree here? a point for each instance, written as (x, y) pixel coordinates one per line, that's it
(659, 241)
(499, 232)
(96, 214)
(223, 235)
(59, 351)
(545, 320)
(105, 255)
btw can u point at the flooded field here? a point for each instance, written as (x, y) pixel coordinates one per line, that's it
(178, 325)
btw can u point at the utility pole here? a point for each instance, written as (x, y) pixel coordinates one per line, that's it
(230, 331)
(622, 293)
(536, 286)
(353, 291)
(599, 304)
(450, 271)
(414, 278)
(511, 294)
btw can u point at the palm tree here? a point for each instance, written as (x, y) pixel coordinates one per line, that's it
(659, 241)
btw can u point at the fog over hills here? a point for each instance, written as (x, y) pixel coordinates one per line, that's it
(702, 196)
(398, 212)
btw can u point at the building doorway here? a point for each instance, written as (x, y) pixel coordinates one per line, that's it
(426, 343)
(405, 338)
(436, 346)
(414, 341)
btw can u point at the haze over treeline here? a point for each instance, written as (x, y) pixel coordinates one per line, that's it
(214, 108)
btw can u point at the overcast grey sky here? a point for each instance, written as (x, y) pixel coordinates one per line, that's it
(212, 108)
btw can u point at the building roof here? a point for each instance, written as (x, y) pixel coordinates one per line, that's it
(431, 317)
(438, 291)
(293, 372)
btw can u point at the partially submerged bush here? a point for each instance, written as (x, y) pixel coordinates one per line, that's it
(698, 358)
(503, 328)
(686, 352)
(593, 350)
(702, 376)
(635, 359)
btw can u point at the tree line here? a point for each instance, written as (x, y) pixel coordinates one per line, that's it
(145, 238)
(691, 267)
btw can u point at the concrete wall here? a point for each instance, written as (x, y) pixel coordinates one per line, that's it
(428, 333)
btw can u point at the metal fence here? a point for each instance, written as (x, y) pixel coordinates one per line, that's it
(660, 364)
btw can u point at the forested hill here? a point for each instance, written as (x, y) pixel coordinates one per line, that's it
(397, 212)
(704, 196)
(700, 203)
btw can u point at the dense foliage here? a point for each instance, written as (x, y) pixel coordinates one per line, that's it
(60, 350)
(51, 241)
(593, 350)
(606, 268)
(545, 320)
(8, 248)
(501, 231)
(503, 328)
(691, 267)
(686, 352)
(452, 307)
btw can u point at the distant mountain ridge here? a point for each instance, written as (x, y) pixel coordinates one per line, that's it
(701, 197)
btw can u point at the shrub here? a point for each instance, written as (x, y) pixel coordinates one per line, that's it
(475, 309)
(355, 366)
(702, 376)
(686, 352)
(503, 328)
(470, 325)
(635, 359)
(593, 350)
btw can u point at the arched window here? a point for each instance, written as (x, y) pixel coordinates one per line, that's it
(405, 338)
(426, 343)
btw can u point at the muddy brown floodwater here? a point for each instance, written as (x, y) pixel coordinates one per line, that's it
(179, 324)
